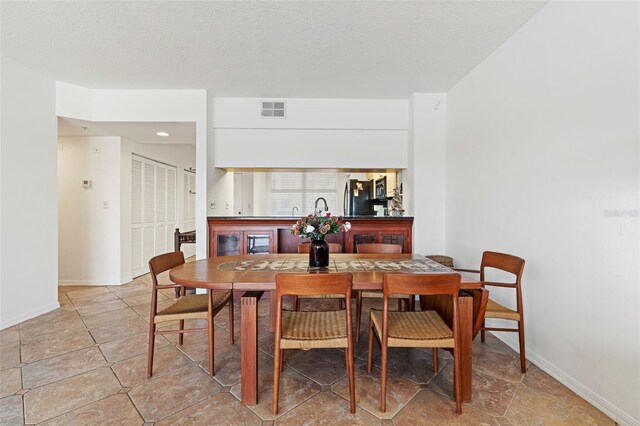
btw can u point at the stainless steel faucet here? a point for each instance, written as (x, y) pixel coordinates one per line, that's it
(293, 210)
(326, 206)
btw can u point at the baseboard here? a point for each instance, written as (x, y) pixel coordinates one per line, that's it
(617, 414)
(28, 315)
(87, 282)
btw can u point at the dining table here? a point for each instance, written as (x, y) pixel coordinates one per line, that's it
(254, 274)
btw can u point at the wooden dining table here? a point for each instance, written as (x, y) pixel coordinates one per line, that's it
(255, 274)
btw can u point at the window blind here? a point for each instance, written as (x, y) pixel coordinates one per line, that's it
(301, 190)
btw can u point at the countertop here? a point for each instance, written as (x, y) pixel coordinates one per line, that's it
(298, 217)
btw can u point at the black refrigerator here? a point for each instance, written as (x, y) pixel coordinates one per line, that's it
(357, 198)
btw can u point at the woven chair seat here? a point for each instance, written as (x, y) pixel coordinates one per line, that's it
(192, 307)
(321, 296)
(307, 330)
(443, 260)
(422, 329)
(377, 294)
(496, 310)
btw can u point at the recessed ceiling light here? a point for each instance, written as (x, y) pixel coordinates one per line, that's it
(164, 134)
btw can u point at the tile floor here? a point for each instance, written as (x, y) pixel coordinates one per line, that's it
(85, 363)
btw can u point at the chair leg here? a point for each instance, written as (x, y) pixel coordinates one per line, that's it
(412, 303)
(352, 379)
(435, 360)
(277, 363)
(296, 303)
(210, 328)
(181, 335)
(482, 332)
(457, 384)
(423, 303)
(400, 304)
(231, 318)
(523, 359)
(370, 354)
(358, 315)
(152, 344)
(383, 378)
(281, 360)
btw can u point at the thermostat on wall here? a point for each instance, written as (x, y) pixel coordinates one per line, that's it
(86, 184)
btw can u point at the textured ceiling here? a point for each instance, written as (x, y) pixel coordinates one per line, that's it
(179, 133)
(340, 49)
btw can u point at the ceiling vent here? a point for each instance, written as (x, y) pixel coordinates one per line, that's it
(273, 109)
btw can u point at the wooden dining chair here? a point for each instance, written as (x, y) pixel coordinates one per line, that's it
(416, 329)
(310, 330)
(514, 265)
(375, 248)
(196, 306)
(333, 248)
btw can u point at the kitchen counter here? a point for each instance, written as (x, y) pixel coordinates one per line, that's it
(299, 216)
(230, 235)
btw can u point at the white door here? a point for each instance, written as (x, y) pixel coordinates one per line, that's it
(153, 211)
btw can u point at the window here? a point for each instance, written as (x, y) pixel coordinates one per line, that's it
(301, 190)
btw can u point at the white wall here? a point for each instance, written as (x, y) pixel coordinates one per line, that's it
(543, 162)
(147, 106)
(89, 237)
(28, 194)
(317, 133)
(424, 189)
(182, 156)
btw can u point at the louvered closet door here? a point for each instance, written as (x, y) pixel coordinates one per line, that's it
(137, 209)
(153, 211)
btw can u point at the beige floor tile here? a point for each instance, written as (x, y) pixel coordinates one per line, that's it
(41, 349)
(49, 317)
(11, 381)
(119, 329)
(294, 389)
(174, 392)
(9, 357)
(534, 407)
(415, 364)
(93, 299)
(133, 371)
(430, 408)
(490, 394)
(399, 391)
(144, 310)
(117, 350)
(539, 380)
(10, 337)
(60, 367)
(11, 411)
(324, 366)
(211, 411)
(53, 330)
(74, 292)
(132, 289)
(196, 345)
(57, 398)
(104, 318)
(141, 299)
(98, 308)
(116, 409)
(327, 408)
(227, 367)
(497, 359)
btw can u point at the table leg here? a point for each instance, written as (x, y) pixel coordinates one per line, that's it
(465, 312)
(249, 347)
(273, 308)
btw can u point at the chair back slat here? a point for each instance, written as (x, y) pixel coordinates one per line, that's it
(313, 284)
(375, 248)
(504, 262)
(164, 262)
(421, 284)
(333, 248)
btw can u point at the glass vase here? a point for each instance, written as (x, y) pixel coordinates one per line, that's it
(318, 254)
